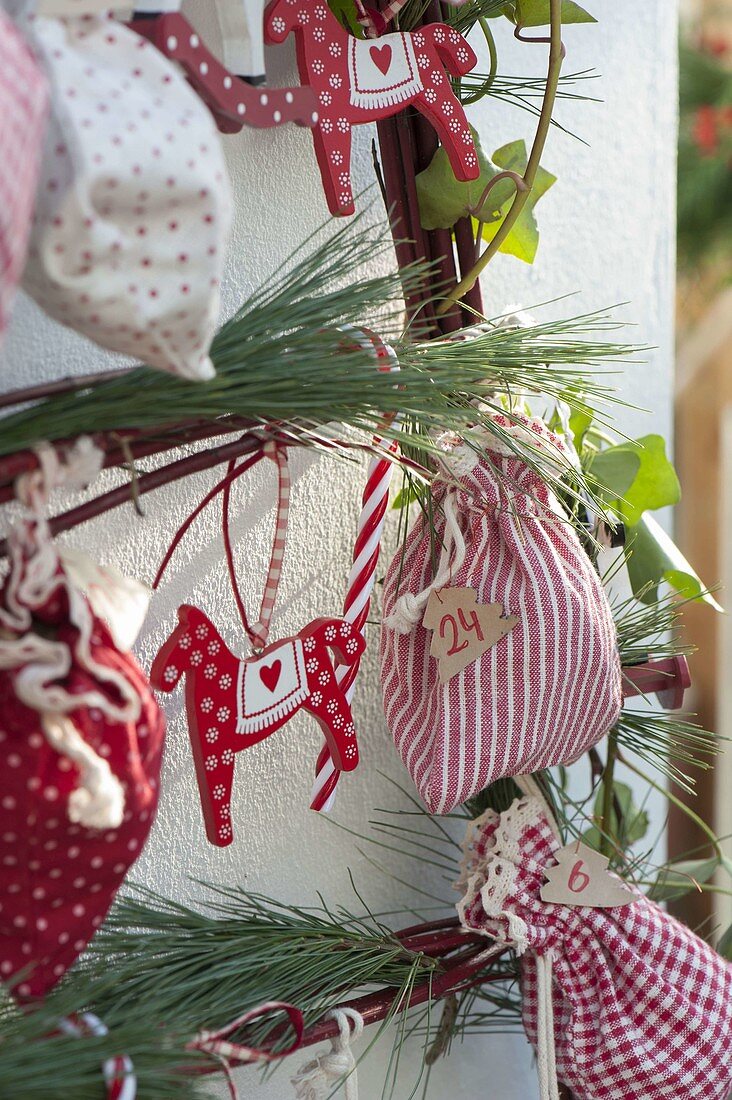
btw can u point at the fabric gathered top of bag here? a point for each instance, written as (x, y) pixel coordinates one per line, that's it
(457, 459)
(39, 586)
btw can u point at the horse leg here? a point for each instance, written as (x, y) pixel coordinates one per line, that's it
(332, 141)
(446, 114)
(329, 707)
(214, 759)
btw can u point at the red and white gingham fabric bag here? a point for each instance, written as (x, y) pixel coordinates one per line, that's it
(23, 104)
(546, 691)
(620, 1004)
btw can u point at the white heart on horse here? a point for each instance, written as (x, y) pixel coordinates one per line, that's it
(381, 57)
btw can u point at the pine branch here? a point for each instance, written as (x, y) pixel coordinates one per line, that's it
(206, 968)
(36, 1061)
(288, 332)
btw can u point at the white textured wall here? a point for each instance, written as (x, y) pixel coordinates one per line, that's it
(607, 231)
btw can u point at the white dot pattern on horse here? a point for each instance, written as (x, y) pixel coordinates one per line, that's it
(250, 699)
(546, 691)
(358, 81)
(642, 1007)
(134, 205)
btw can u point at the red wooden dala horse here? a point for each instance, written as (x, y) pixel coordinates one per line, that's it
(233, 102)
(232, 704)
(363, 80)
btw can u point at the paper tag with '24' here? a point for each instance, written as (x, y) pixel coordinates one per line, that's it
(463, 629)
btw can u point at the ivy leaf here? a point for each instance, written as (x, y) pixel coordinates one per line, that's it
(636, 476)
(632, 827)
(412, 492)
(346, 13)
(580, 423)
(443, 199)
(613, 472)
(523, 240)
(681, 878)
(655, 558)
(536, 13)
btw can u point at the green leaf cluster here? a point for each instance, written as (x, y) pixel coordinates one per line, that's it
(627, 824)
(633, 479)
(443, 199)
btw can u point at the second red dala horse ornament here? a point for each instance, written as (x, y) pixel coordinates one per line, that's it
(359, 81)
(234, 703)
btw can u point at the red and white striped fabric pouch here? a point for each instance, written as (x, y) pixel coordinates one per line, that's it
(23, 109)
(547, 690)
(623, 1003)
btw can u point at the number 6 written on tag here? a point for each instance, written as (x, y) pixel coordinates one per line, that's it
(581, 877)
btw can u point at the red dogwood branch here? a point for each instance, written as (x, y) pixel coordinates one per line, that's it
(121, 446)
(184, 467)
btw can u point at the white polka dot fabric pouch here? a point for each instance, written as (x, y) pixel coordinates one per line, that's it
(134, 203)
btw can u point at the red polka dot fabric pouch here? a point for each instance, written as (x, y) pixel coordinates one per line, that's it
(622, 1003)
(550, 687)
(81, 740)
(134, 205)
(23, 108)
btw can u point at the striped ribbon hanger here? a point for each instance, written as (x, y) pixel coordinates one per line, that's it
(258, 632)
(375, 20)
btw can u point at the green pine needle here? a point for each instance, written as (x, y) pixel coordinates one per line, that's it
(36, 1062)
(283, 358)
(203, 969)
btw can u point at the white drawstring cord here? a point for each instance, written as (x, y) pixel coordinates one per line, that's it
(545, 1046)
(409, 608)
(98, 801)
(316, 1079)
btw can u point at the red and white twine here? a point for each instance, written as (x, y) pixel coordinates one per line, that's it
(118, 1071)
(228, 1053)
(258, 632)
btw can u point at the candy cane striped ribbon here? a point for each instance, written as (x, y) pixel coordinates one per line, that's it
(260, 630)
(118, 1071)
(365, 556)
(228, 1053)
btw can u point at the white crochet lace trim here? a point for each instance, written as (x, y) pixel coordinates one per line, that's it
(493, 876)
